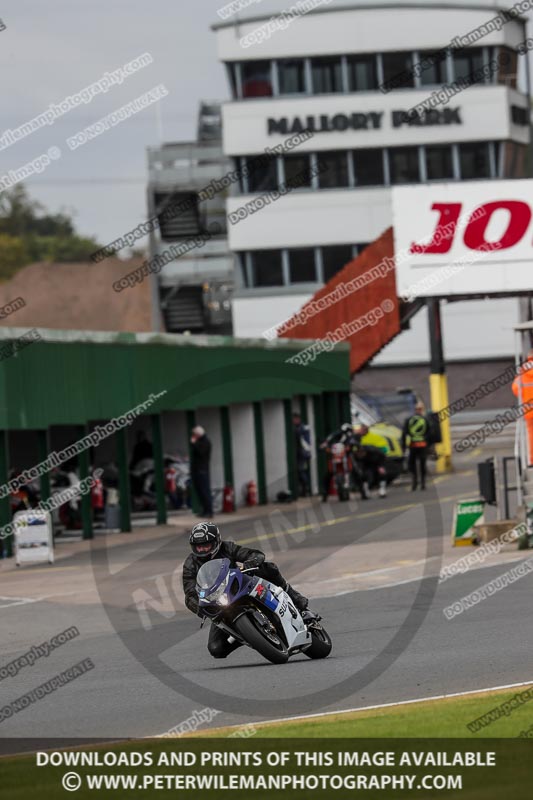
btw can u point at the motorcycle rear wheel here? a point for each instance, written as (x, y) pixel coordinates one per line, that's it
(248, 628)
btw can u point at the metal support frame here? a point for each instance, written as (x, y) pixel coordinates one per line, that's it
(159, 469)
(260, 453)
(43, 443)
(438, 384)
(227, 449)
(6, 545)
(121, 439)
(85, 500)
(191, 423)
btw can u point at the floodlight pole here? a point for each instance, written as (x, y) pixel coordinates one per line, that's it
(438, 384)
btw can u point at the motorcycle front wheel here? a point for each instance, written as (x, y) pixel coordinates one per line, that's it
(267, 643)
(321, 645)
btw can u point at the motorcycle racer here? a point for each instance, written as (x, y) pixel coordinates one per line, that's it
(206, 543)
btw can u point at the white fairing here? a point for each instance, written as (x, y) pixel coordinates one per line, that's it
(293, 624)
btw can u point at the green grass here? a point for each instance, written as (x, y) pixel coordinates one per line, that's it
(19, 777)
(437, 718)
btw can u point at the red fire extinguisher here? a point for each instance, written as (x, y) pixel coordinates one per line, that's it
(228, 499)
(97, 494)
(251, 493)
(170, 480)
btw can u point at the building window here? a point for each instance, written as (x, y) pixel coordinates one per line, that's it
(432, 68)
(291, 76)
(369, 168)
(302, 267)
(243, 269)
(333, 170)
(362, 74)
(468, 64)
(256, 77)
(404, 165)
(263, 174)
(297, 171)
(475, 160)
(508, 61)
(233, 81)
(334, 258)
(267, 268)
(439, 163)
(327, 75)
(398, 70)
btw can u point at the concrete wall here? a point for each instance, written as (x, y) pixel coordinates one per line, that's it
(275, 448)
(462, 378)
(243, 444)
(174, 432)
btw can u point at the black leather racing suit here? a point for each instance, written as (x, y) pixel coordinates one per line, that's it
(218, 644)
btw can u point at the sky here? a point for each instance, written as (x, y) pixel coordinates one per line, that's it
(53, 49)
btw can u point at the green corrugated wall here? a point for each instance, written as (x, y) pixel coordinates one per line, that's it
(70, 378)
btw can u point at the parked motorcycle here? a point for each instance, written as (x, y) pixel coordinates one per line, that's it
(341, 467)
(258, 614)
(142, 482)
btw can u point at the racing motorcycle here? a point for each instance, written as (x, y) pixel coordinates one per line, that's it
(258, 614)
(341, 467)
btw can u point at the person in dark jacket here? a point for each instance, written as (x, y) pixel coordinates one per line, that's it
(370, 467)
(302, 440)
(142, 450)
(417, 429)
(206, 543)
(200, 458)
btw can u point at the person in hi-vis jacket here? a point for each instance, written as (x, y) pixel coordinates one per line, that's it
(523, 391)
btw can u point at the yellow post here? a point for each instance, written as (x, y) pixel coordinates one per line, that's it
(438, 387)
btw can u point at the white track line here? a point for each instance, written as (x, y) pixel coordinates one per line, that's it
(17, 601)
(392, 705)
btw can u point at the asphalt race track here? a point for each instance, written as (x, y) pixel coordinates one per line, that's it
(392, 641)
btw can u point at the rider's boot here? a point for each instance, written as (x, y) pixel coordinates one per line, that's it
(383, 488)
(298, 599)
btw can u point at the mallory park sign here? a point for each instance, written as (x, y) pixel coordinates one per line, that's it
(362, 122)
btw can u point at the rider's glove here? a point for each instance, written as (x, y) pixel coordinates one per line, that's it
(252, 563)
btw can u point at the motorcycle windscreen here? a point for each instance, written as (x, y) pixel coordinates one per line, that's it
(210, 574)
